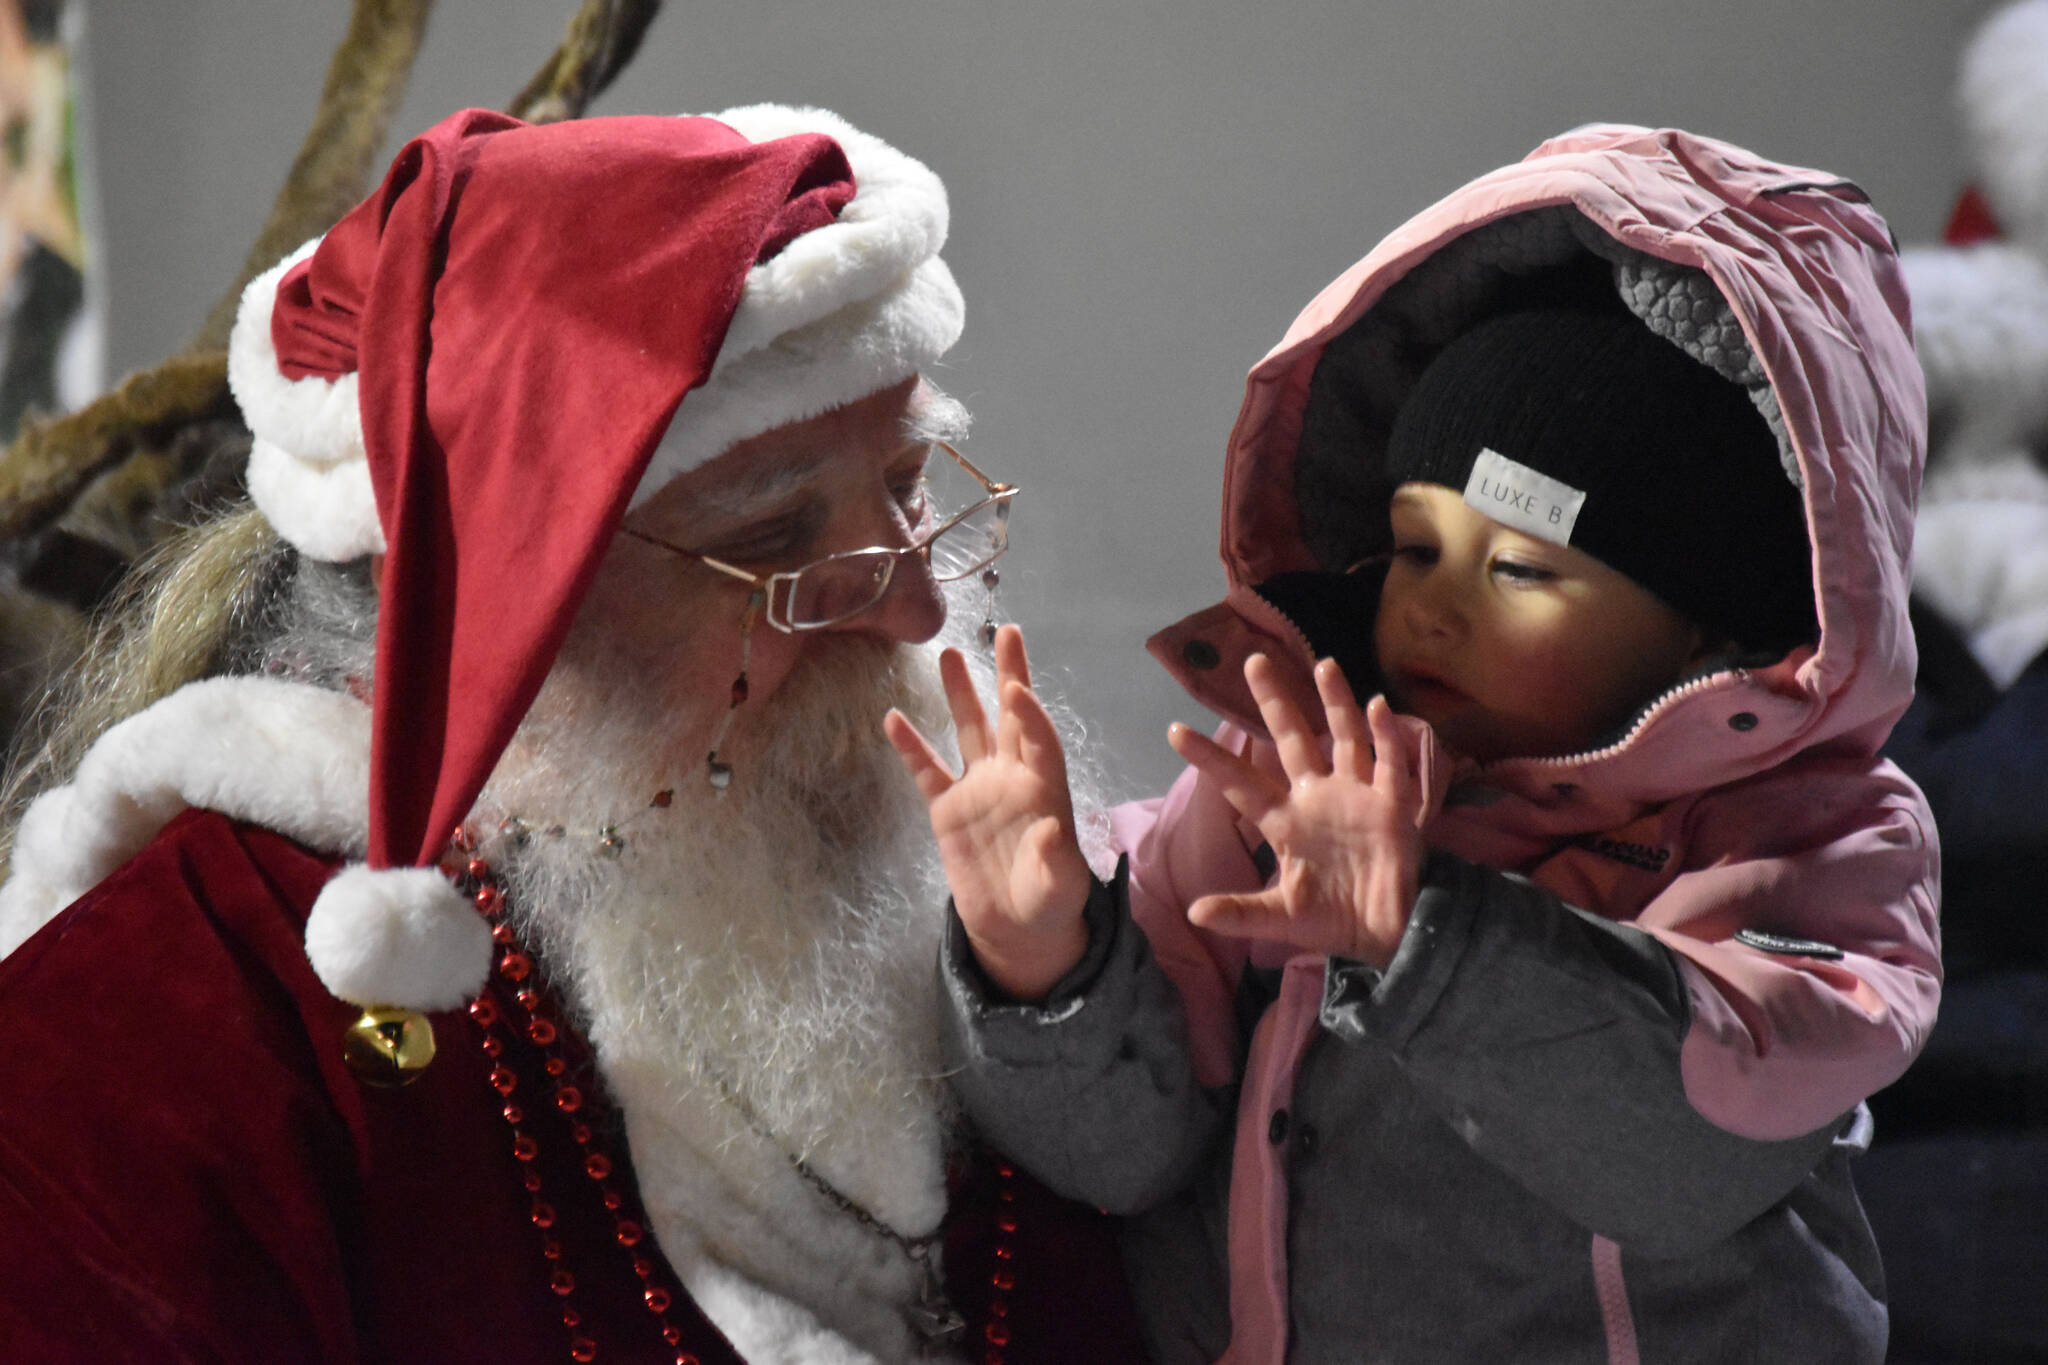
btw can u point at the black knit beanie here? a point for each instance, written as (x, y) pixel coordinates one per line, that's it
(1641, 456)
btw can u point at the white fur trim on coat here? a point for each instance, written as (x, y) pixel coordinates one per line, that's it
(764, 1327)
(2004, 96)
(287, 756)
(841, 312)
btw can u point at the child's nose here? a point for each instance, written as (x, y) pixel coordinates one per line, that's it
(1432, 608)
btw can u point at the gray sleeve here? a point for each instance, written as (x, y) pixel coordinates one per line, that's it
(1092, 1090)
(1549, 1039)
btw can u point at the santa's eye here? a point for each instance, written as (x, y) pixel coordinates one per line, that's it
(913, 495)
(770, 542)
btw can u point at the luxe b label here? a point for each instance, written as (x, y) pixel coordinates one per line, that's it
(1516, 495)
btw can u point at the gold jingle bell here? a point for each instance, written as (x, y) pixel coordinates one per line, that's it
(389, 1046)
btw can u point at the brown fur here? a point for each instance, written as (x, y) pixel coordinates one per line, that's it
(122, 472)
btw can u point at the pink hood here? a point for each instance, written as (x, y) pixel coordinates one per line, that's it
(1809, 272)
(1763, 780)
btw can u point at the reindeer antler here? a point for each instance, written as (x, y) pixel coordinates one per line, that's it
(51, 461)
(602, 38)
(45, 473)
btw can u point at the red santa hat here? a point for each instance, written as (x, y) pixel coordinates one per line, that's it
(526, 331)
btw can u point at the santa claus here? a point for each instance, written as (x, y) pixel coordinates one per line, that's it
(467, 910)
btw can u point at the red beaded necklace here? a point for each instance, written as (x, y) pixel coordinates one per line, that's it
(995, 1333)
(533, 1013)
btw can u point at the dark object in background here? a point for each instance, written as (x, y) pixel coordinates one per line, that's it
(1956, 1184)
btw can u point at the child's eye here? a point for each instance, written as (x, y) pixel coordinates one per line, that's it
(1417, 553)
(1520, 572)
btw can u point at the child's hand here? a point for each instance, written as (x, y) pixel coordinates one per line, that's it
(1347, 830)
(1005, 826)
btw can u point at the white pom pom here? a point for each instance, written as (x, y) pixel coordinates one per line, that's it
(398, 936)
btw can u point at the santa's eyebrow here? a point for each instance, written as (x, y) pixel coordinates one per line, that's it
(935, 416)
(762, 488)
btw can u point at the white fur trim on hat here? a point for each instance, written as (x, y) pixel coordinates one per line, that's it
(896, 220)
(328, 512)
(2003, 92)
(307, 473)
(398, 936)
(863, 348)
(287, 756)
(841, 312)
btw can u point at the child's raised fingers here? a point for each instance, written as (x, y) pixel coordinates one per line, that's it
(1250, 791)
(1352, 748)
(1239, 916)
(1300, 753)
(1393, 776)
(1011, 662)
(920, 760)
(970, 722)
(1038, 740)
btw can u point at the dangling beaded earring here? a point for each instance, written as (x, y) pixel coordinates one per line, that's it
(989, 579)
(716, 769)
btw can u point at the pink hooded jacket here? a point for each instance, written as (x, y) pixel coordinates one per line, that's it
(1749, 799)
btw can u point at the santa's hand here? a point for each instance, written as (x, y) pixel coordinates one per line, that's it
(1005, 825)
(1347, 830)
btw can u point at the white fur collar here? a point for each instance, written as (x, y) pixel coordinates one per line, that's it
(290, 757)
(295, 759)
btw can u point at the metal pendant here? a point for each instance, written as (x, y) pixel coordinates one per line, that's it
(933, 1317)
(389, 1046)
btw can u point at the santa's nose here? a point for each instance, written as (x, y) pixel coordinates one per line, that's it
(910, 610)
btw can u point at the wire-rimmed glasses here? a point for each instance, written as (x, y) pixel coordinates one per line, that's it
(841, 586)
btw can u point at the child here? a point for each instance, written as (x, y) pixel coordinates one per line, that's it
(1528, 1013)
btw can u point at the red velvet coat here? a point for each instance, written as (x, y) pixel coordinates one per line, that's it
(190, 1172)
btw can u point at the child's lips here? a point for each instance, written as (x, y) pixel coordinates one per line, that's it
(1420, 686)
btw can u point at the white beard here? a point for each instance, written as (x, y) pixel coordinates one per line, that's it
(756, 971)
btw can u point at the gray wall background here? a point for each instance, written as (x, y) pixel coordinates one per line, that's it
(1144, 193)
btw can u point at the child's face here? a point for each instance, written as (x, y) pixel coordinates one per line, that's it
(1509, 645)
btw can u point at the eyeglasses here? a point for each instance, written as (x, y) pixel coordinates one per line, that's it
(841, 586)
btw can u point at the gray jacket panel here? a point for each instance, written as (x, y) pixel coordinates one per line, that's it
(1465, 1124)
